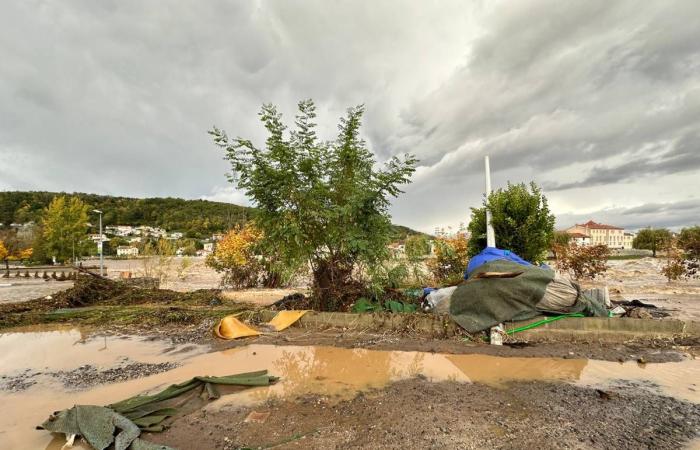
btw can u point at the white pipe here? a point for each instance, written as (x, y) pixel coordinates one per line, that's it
(490, 235)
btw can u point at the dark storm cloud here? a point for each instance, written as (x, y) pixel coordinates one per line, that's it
(589, 98)
(672, 215)
(684, 156)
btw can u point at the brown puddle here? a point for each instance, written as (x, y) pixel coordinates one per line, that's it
(338, 373)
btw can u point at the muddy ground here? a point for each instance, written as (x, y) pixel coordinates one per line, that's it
(412, 413)
(420, 414)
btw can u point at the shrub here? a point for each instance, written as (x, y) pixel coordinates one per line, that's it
(451, 258)
(582, 261)
(521, 220)
(236, 256)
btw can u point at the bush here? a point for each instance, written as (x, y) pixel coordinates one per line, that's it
(689, 241)
(236, 257)
(582, 261)
(521, 220)
(451, 258)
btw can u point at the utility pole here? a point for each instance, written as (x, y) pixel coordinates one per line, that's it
(100, 243)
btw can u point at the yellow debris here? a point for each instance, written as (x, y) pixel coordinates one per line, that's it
(284, 319)
(231, 328)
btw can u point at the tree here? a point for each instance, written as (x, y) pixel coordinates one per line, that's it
(559, 239)
(689, 241)
(451, 258)
(236, 257)
(319, 203)
(583, 261)
(13, 248)
(417, 247)
(652, 239)
(65, 228)
(521, 221)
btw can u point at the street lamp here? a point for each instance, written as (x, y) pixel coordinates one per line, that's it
(99, 244)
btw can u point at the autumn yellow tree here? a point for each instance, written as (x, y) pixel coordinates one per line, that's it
(12, 248)
(236, 256)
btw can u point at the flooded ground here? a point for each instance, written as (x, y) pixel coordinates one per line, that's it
(335, 375)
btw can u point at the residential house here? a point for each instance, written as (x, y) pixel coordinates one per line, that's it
(580, 239)
(627, 240)
(127, 251)
(397, 249)
(208, 247)
(612, 236)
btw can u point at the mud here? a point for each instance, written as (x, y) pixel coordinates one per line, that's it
(85, 376)
(418, 413)
(334, 375)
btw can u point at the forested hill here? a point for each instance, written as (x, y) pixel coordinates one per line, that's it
(196, 218)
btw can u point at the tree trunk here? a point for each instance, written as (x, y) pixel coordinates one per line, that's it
(333, 286)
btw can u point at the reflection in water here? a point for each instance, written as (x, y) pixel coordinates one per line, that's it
(336, 373)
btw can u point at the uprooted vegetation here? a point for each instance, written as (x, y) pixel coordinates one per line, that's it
(96, 300)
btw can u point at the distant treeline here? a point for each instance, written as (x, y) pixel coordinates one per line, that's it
(195, 218)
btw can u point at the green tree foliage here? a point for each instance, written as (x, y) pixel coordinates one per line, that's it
(652, 239)
(321, 203)
(451, 259)
(559, 239)
(65, 223)
(689, 241)
(521, 220)
(417, 247)
(196, 218)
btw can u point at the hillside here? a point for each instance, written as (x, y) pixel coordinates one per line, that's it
(196, 218)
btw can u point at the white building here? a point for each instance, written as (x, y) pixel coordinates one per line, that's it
(601, 234)
(580, 239)
(125, 250)
(208, 247)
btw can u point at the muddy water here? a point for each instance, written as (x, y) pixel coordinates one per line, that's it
(334, 372)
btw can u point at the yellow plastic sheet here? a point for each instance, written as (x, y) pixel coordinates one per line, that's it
(231, 328)
(284, 319)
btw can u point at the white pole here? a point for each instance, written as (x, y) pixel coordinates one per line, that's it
(497, 331)
(101, 249)
(490, 235)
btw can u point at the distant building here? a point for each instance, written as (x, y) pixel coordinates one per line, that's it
(125, 250)
(175, 235)
(600, 234)
(627, 240)
(135, 240)
(397, 249)
(208, 247)
(217, 236)
(96, 237)
(580, 238)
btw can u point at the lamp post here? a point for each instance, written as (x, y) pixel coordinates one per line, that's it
(99, 244)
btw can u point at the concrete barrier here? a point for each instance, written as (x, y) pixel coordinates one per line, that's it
(570, 329)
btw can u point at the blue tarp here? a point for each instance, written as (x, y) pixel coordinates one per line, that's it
(492, 254)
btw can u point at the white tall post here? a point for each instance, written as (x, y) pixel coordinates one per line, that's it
(497, 331)
(102, 260)
(490, 235)
(100, 243)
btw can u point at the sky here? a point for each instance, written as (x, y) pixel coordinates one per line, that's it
(596, 101)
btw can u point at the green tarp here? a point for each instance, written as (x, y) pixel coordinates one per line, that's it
(480, 303)
(98, 424)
